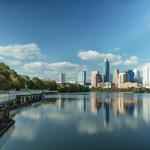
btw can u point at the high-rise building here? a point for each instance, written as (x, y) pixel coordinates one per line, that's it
(96, 77)
(62, 78)
(130, 76)
(146, 75)
(122, 77)
(137, 77)
(82, 77)
(106, 70)
(116, 77)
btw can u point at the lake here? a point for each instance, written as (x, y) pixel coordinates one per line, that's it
(82, 121)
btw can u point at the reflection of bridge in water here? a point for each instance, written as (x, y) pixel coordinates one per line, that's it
(14, 100)
(6, 135)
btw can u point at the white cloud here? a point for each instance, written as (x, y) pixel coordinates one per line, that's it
(66, 65)
(114, 59)
(20, 52)
(54, 66)
(36, 65)
(132, 60)
(52, 70)
(95, 55)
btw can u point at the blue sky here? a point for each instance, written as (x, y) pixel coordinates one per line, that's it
(44, 37)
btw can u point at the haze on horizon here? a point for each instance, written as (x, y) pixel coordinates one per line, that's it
(45, 37)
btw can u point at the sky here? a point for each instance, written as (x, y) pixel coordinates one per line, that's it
(45, 37)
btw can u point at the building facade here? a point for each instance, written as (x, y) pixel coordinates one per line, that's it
(116, 77)
(127, 85)
(82, 77)
(106, 70)
(146, 75)
(96, 78)
(137, 77)
(62, 78)
(122, 77)
(104, 85)
(130, 76)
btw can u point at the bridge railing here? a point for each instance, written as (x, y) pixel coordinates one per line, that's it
(11, 95)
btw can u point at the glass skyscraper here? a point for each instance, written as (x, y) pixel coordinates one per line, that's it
(106, 70)
(82, 77)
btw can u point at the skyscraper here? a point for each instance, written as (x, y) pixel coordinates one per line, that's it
(62, 78)
(116, 77)
(122, 77)
(130, 76)
(106, 70)
(137, 77)
(82, 77)
(95, 78)
(146, 74)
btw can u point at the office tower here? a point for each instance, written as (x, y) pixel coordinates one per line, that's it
(95, 78)
(111, 78)
(62, 78)
(106, 70)
(116, 77)
(130, 76)
(137, 77)
(146, 74)
(122, 77)
(82, 78)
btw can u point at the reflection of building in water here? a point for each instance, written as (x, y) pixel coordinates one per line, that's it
(81, 104)
(118, 105)
(95, 103)
(129, 104)
(6, 135)
(129, 107)
(60, 103)
(146, 108)
(107, 111)
(126, 103)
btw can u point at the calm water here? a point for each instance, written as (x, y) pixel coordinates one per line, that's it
(82, 121)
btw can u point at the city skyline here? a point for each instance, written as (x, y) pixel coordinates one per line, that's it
(47, 40)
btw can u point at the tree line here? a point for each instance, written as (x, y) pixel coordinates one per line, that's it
(11, 80)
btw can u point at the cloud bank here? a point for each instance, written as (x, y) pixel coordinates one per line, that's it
(29, 59)
(114, 59)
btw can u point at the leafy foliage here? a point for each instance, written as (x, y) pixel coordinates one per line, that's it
(10, 79)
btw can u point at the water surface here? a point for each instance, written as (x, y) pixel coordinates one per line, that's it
(77, 121)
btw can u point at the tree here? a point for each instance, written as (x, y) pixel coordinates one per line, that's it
(4, 83)
(49, 84)
(37, 83)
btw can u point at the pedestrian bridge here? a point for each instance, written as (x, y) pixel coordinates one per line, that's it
(16, 98)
